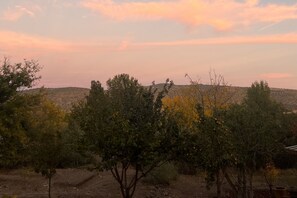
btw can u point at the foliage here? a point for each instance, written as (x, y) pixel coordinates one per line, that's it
(127, 126)
(73, 154)
(15, 77)
(46, 145)
(216, 147)
(14, 111)
(183, 110)
(184, 116)
(213, 137)
(256, 127)
(289, 135)
(257, 124)
(216, 96)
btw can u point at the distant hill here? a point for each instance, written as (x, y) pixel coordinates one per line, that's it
(288, 97)
(65, 97)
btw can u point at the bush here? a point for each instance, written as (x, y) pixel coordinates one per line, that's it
(162, 175)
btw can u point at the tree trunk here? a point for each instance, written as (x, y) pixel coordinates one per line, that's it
(230, 182)
(127, 185)
(270, 191)
(49, 186)
(244, 182)
(239, 181)
(127, 193)
(251, 188)
(219, 183)
(122, 191)
(252, 169)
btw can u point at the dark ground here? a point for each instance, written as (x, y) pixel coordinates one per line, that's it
(74, 183)
(82, 183)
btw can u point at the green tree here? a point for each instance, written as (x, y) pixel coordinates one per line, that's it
(14, 109)
(16, 77)
(46, 146)
(256, 127)
(127, 126)
(215, 147)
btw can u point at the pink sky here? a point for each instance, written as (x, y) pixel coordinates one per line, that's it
(77, 41)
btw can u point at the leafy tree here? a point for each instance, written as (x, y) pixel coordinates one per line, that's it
(14, 109)
(30, 126)
(256, 127)
(46, 146)
(183, 115)
(213, 137)
(127, 126)
(75, 146)
(183, 109)
(15, 77)
(217, 95)
(215, 148)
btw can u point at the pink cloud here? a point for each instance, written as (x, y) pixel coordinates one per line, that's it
(275, 76)
(19, 11)
(14, 42)
(220, 14)
(10, 41)
(266, 39)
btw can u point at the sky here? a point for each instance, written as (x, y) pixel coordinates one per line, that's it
(76, 41)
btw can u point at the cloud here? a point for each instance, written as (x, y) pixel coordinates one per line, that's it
(19, 11)
(15, 40)
(221, 14)
(275, 75)
(14, 43)
(30, 46)
(265, 39)
(18, 41)
(24, 44)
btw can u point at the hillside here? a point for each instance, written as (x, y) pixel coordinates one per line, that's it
(65, 97)
(288, 97)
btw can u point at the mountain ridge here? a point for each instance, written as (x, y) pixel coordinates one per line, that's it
(65, 97)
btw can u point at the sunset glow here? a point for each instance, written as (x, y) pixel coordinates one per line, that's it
(77, 41)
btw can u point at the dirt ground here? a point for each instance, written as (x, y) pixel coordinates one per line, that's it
(76, 183)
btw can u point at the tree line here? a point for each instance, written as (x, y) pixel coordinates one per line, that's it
(130, 130)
